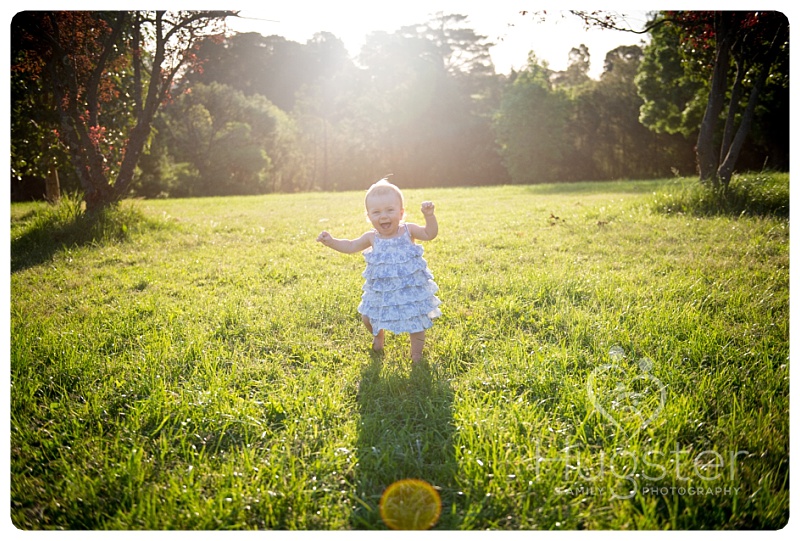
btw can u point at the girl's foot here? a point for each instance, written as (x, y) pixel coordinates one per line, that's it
(377, 341)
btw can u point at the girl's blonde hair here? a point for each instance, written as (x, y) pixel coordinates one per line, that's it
(383, 186)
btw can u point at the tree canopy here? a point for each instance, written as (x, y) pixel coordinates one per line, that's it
(168, 104)
(107, 74)
(713, 63)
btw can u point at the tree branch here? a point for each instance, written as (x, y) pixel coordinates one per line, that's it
(93, 84)
(610, 21)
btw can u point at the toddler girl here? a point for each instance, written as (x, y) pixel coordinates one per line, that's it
(399, 291)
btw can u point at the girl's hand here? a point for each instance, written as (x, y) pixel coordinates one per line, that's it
(427, 208)
(325, 238)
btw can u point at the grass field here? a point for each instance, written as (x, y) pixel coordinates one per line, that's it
(598, 365)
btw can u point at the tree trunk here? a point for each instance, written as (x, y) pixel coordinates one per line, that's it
(732, 154)
(720, 172)
(733, 108)
(156, 87)
(707, 155)
(725, 171)
(52, 188)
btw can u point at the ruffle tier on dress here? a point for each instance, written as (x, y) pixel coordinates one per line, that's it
(399, 291)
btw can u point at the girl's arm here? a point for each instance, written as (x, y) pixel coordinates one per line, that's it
(431, 228)
(346, 246)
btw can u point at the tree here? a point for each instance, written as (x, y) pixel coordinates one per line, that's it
(108, 72)
(577, 72)
(623, 147)
(232, 143)
(458, 48)
(433, 90)
(739, 51)
(338, 135)
(272, 66)
(531, 126)
(316, 82)
(750, 43)
(674, 95)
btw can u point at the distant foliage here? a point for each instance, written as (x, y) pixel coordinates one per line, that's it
(215, 140)
(252, 114)
(531, 127)
(556, 127)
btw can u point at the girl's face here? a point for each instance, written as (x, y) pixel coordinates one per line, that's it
(385, 210)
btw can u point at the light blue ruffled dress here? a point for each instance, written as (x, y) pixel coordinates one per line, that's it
(399, 291)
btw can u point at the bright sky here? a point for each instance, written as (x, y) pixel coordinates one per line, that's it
(499, 20)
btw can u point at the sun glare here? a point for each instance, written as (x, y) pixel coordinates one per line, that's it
(513, 33)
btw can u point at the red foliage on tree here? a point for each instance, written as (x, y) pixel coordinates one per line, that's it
(89, 60)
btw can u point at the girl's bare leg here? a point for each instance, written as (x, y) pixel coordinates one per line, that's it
(417, 344)
(377, 339)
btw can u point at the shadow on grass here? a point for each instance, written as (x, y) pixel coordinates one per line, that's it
(51, 229)
(406, 432)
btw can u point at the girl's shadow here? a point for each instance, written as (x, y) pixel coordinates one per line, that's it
(406, 432)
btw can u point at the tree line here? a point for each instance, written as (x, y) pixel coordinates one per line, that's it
(249, 114)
